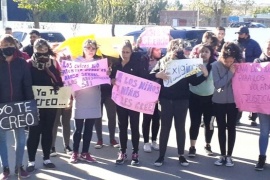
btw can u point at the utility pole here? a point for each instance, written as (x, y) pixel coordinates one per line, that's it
(4, 13)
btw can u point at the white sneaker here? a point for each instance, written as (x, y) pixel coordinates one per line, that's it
(147, 147)
(229, 161)
(155, 146)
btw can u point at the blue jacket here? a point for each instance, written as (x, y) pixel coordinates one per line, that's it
(252, 49)
(15, 81)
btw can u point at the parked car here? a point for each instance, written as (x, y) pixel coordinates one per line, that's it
(51, 36)
(193, 35)
(248, 24)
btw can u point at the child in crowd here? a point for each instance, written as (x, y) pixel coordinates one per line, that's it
(200, 103)
(223, 99)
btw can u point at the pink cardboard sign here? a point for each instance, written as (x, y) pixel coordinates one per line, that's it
(157, 37)
(81, 75)
(251, 87)
(135, 93)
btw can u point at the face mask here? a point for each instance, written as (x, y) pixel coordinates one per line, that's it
(42, 57)
(9, 51)
(241, 39)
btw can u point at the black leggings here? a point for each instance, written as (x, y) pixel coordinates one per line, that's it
(43, 129)
(87, 134)
(155, 125)
(198, 106)
(123, 117)
(221, 111)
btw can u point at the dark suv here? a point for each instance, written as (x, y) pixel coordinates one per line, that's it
(194, 35)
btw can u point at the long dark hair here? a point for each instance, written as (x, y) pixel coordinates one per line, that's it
(212, 55)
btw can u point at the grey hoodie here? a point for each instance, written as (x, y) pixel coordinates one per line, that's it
(222, 78)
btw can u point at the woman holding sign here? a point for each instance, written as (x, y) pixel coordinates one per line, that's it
(86, 109)
(224, 105)
(263, 118)
(174, 100)
(129, 64)
(15, 86)
(44, 73)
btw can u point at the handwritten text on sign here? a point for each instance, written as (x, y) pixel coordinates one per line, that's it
(47, 97)
(179, 69)
(135, 93)
(155, 37)
(251, 87)
(81, 75)
(18, 114)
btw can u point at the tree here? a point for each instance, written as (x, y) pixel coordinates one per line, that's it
(261, 10)
(38, 7)
(176, 5)
(213, 8)
(246, 5)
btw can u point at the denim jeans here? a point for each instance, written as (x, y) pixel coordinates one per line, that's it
(264, 132)
(19, 135)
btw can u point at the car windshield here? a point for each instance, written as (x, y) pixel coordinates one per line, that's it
(52, 37)
(19, 35)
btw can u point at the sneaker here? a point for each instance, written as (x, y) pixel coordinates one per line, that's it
(208, 150)
(135, 159)
(155, 145)
(147, 147)
(53, 152)
(87, 157)
(48, 164)
(30, 167)
(159, 162)
(259, 166)
(192, 152)
(183, 161)
(99, 145)
(122, 157)
(74, 157)
(115, 144)
(5, 173)
(229, 161)
(220, 161)
(68, 150)
(23, 174)
(253, 123)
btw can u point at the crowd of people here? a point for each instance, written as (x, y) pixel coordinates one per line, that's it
(208, 95)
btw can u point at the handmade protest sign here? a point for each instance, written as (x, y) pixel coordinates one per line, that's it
(182, 68)
(48, 97)
(81, 75)
(251, 87)
(135, 93)
(18, 114)
(157, 37)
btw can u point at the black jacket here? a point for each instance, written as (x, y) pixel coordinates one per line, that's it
(252, 49)
(179, 90)
(220, 45)
(15, 81)
(29, 50)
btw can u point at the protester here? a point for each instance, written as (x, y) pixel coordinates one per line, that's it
(63, 114)
(29, 49)
(200, 103)
(106, 94)
(263, 118)
(223, 99)
(8, 30)
(129, 64)
(86, 109)
(44, 73)
(150, 60)
(174, 101)
(251, 51)
(15, 77)
(220, 33)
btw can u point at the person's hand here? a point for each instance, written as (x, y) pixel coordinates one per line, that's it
(233, 68)
(109, 71)
(162, 75)
(113, 81)
(204, 70)
(69, 106)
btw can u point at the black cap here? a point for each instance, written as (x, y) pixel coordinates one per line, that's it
(242, 30)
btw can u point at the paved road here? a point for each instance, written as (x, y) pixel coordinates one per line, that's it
(201, 167)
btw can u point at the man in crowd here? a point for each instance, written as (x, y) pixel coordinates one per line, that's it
(220, 33)
(8, 30)
(251, 50)
(34, 34)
